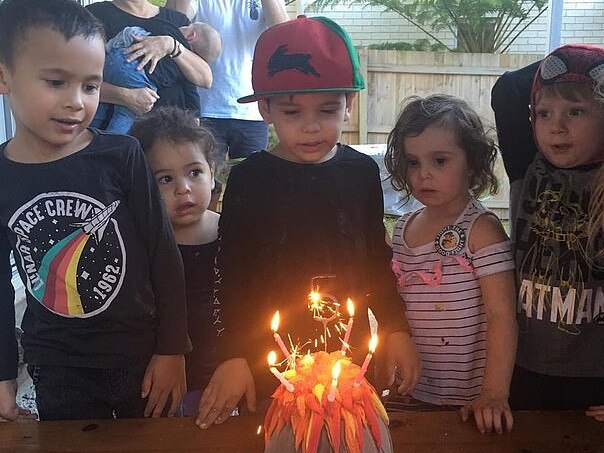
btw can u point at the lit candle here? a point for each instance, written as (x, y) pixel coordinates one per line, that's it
(272, 359)
(345, 344)
(274, 328)
(372, 346)
(335, 374)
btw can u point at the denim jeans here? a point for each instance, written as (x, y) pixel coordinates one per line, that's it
(239, 137)
(70, 393)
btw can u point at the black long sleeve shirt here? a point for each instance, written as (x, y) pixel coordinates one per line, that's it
(103, 274)
(284, 223)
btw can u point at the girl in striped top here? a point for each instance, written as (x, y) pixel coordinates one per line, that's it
(453, 260)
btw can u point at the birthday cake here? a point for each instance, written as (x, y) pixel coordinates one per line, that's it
(324, 404)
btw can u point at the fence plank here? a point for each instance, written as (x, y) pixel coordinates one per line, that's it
(392, 76)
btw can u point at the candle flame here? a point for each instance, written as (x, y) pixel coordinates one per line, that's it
(275, 322)
(373, 343)
(350, 307)
(259, 430)
(272, 358)
(336, 370)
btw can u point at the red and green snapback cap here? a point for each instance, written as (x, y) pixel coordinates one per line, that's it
(304, 55)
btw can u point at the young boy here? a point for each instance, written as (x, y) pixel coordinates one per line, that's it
(105, 327)
(310, 207)
(560, 303)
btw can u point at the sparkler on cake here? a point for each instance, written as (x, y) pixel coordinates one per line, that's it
(324, 402)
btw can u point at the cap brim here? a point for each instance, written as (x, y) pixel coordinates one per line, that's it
(265, 94)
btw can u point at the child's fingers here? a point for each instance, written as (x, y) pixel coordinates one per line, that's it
(480, 423)
(489, 417)
(509, 419)
(151, 402)
(226, 412)
(208, 398)
(175, 402)
(161, 403)
(596, 412)
(214, 412)
(146, 384)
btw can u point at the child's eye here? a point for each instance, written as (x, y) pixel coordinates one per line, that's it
(196, 172)
(440, 160)
(91, 88)
(576, 111)
(54, 83)
(412, 163)
(164, 179)
(329, 111)
(544, 114)
(290, 112)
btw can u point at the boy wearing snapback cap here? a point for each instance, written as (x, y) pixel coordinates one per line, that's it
(310, 207)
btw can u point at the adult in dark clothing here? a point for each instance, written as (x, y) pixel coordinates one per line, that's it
(166, 55)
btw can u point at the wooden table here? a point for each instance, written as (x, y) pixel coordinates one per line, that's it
(439, 432)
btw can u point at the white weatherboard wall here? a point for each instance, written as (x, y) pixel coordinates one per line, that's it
(582, 22)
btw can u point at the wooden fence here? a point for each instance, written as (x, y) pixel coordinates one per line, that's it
(391, 76)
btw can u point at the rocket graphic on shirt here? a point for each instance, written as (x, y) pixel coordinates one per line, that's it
(71, 252)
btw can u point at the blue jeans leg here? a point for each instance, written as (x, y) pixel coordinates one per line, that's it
(239, 138)
(122, 120)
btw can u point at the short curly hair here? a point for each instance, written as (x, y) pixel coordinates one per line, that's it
(417, 114)
(175, 125)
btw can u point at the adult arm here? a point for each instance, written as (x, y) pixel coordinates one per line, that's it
(151, 49)
(491, 409)
(510, 100)
(139, 100)
(187, 7)
(274, 12)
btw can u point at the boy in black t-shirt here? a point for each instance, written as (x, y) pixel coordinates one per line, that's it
(105, 324)
(310, 207)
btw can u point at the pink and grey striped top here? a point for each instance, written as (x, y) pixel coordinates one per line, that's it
(444, 305)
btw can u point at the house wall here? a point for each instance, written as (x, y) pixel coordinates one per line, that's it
(582, 22)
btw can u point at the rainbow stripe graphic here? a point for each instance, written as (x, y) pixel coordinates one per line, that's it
(58, 272)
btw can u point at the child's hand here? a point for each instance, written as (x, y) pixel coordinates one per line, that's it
(231, 380)
(402, 354)
(9, 410)
(597, 412)
(490, 413)
(164, 378)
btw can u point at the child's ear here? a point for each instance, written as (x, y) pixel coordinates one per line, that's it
(265, 111)
(349, 102)
(212, 173)
(3, 79)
